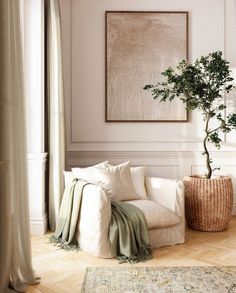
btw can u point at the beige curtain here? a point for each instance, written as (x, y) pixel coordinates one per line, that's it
(15, 248)
(56, 136)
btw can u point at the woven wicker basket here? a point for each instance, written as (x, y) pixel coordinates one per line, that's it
(208, 203)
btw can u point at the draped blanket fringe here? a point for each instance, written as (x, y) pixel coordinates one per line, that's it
(128, 232)
(63, 245)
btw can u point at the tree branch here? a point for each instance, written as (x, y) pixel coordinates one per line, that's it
(217, 128)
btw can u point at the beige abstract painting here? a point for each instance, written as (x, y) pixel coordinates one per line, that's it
(139, 46)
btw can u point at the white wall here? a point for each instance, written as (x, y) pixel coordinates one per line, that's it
(169, 149)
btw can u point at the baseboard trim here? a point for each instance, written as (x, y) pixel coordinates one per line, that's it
(39, 226)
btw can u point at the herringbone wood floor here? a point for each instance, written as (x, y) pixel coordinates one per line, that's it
(63, 272)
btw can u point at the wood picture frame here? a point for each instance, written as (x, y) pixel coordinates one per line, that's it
(139, 45)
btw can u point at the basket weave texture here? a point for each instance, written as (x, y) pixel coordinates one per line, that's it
(208, 203)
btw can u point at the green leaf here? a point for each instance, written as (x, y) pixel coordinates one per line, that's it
(148, 87)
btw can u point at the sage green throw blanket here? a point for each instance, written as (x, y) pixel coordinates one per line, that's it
(128, 231)
(68, 215)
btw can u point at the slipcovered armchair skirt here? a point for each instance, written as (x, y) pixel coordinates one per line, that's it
(163, 210)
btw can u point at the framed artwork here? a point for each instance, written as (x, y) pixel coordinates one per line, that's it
(139, 46)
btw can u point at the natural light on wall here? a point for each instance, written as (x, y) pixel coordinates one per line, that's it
(33, 46)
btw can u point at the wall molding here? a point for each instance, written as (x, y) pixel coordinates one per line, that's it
(74, 139)
(139, 141)
(151, 146)
(144, 154)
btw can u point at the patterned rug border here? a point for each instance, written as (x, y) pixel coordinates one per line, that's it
(201, 274)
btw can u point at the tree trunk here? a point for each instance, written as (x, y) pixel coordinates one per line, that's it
(206, 152)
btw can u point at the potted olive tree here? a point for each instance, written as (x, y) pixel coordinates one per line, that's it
(201, 86)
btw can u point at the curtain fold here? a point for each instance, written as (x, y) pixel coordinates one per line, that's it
(15, 247)
(55, 96)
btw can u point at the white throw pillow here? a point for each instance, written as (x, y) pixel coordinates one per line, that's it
(90, 174)
(70, 175)
(138, 177)
(122, 183)
(116, 180)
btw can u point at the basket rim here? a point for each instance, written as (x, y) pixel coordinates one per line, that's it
(202, 177)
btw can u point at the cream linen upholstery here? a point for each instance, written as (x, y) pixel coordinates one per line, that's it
(166, 192)
(95, 215)
(165, 195)
(157, 216)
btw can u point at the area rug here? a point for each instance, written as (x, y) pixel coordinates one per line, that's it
(160, 280)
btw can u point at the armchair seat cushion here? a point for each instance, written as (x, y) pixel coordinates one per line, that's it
(157, 216)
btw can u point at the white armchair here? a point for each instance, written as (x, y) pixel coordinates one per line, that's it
(163, 210)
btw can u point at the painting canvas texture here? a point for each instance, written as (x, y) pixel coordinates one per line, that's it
(139, 46)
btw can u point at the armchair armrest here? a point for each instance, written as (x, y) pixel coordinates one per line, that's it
(93, 225)
(168, 193)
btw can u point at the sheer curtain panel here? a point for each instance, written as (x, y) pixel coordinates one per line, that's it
(55, 96)
(15, 249)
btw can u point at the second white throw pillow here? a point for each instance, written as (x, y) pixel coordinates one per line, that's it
(138, 177)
